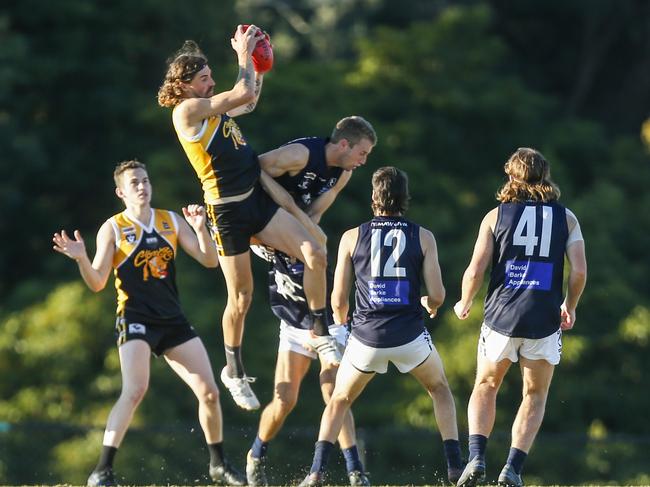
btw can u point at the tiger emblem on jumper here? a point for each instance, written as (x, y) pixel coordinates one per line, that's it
(232, 130)
(154, 262)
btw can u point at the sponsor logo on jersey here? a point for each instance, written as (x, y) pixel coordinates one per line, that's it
(165, 225)
(137, 328)
(152, 240)
(231, 129)
(154, 262)
(130, 237)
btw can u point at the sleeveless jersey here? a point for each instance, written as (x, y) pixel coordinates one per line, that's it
(287, 294)
(525, 291)
(145, 276)
(315, 178)
(224, 162)
(387, 263)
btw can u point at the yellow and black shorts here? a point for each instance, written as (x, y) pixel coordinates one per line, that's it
(233, 224)
(160, 337)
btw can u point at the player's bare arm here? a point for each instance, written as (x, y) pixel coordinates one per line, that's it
(431, 273)
(321, 204)
(197, 243)
(249, 107)
(481, 258)
(94, 274)
(191, 112)
(343, 276)
(577, 279)
(288, 159)
(282, 197)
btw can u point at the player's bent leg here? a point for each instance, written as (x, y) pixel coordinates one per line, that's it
(191, 363)
(536, 376)
(290, 370)
(350, 382)
(285, 233)
(481, 409)
(134, 363)
(431, 375)
(239, 283)
(135, 356)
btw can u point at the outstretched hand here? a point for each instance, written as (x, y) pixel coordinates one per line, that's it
(73, 248)
(195, 216)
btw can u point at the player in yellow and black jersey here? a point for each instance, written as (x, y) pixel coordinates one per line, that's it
(242, 202)
(140, 245)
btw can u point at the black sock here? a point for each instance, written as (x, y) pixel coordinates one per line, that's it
(321, 456)
(106, 458)
(516, 458)
(477, 446)
(216, 454)
(319, 319)
(234, 365)
(452, 453)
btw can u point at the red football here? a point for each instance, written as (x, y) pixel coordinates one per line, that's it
(263, 53)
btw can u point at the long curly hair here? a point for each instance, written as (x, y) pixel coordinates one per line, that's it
(390, 191)
(529, 178)
(181, 68)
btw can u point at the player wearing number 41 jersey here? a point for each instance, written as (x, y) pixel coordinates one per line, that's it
(387, 256)
(525, 239)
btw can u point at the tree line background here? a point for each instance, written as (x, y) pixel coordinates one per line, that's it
(452, 88)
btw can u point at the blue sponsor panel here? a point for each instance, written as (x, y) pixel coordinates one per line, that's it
(389, 292)
(528, 274)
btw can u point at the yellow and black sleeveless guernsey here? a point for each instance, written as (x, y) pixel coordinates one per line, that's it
(224, 162)
(145, 276)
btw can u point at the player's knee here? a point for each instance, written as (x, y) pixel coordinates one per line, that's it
(210, 396)
(438, 386)
(488, 384)
(240, 301)
(285, 397)
(340, 400)
(316, 258)
(134, 394)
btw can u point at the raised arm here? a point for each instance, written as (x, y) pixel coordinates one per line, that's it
(197, 243)
(194, 110)
(320, 205)
(431, 273)
(94, 274)
(249, 107)
(481, 258)
(343, 276)
(576, 256)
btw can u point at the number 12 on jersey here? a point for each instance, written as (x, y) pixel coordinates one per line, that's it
(394, 238)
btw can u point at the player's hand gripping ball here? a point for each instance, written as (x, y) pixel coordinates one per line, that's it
(263, 53)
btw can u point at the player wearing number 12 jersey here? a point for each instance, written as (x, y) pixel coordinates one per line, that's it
(525, 239)
(387, 256)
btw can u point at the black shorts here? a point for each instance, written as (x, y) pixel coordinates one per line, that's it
(159, 337)
(232, 225)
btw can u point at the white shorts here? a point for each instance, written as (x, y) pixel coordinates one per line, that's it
(292, 338)
(495, 347)
(405, 357)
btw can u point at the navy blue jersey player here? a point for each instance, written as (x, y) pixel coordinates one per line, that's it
(313, 170)
(389, 258)
(525, 240)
